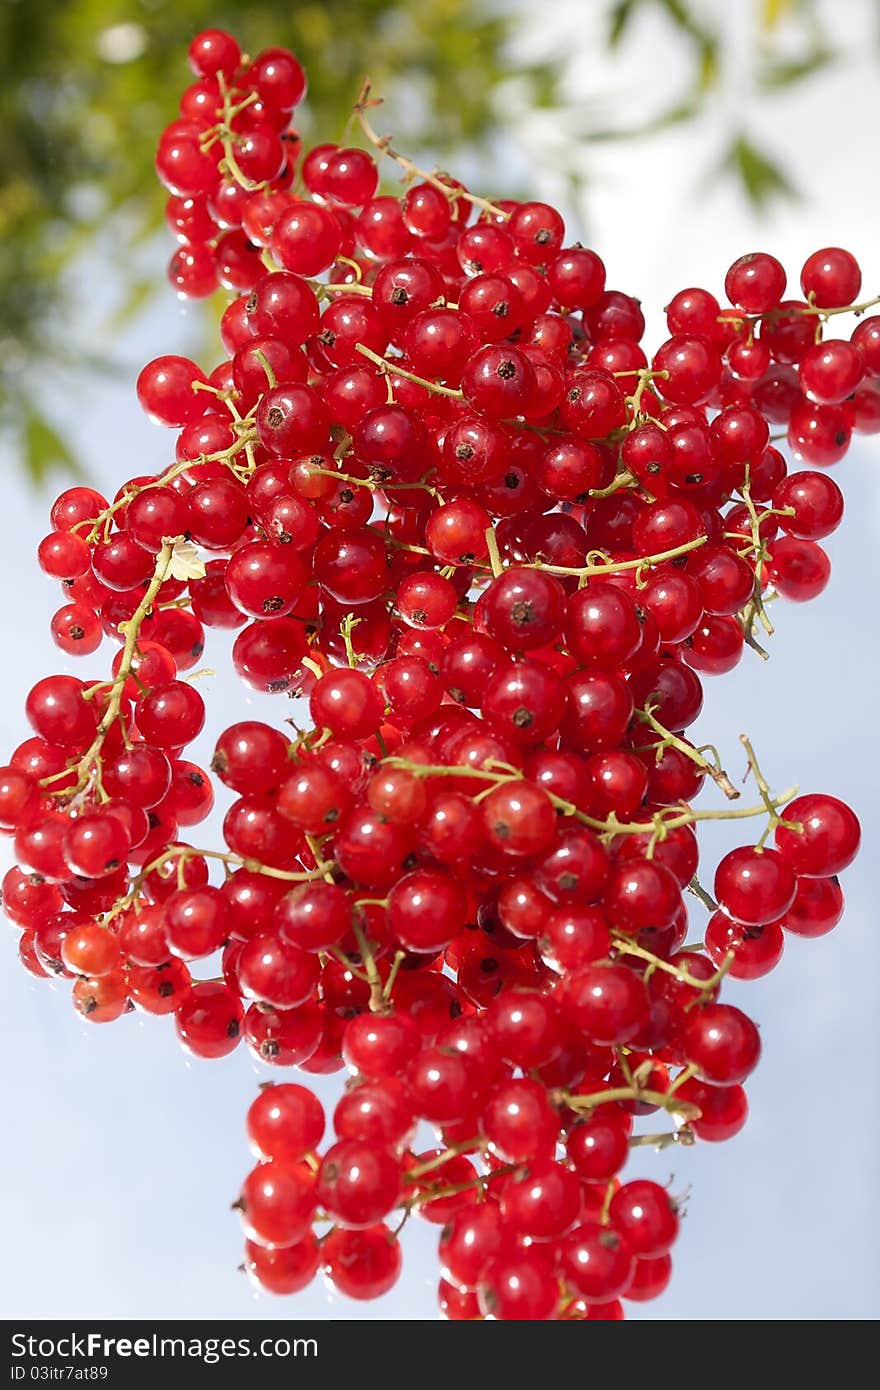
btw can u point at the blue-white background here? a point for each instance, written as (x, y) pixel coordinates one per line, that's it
(119, 1155)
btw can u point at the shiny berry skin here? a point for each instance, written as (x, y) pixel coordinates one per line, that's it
(519, 1122)
(158, 989)
(63, 555)
(470, 1240)
(593, 405)
(693, 368)
(641, 894)
(499, 382)
(523, 609)
(755, 886)
(274, 972)
(19, 798)
(817, 907)
(57, 712)
(819, 434)
(284, 1270)
(523, 701)
(545, 1204)
(830, 371)
(816, 501)
(379, 1113)
(831, 277)
(347, 703)
(725, 580)
(595, 1261)
(264, 580)
(368, 849)
(140, 775)
(519, 1287)
(209, 1020)
(598, 1146)
(425, 911)
(165, 389)
(250, 757)
(213, 51)
(101, 999)
(723, 1043)
(288, 1037)
(277, 1201)
(753, 951)
(574, 869)
(829, 841)
(196, 923)
(380, 1046)
(524, 1027)
(755, 283)
(171, 715)
(645, 1216)
(723, 1109)
(358, 1183)
(306, 239)
(608, 1003)
(362, 1264)
(576, 277)
(650, 1277)
(572, 936)
(314, 916)
(282, 305)
(96, 845)
(91, 949)
(76, 630)
(601, 626)
(518, 818)
(798, 570)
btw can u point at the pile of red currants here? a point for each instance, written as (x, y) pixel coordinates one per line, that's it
(439, 489)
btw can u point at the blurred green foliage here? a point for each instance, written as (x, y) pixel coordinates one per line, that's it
(87, 85)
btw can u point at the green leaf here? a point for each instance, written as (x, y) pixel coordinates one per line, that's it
(785, 74)
(618, 20)
(671, 116)
(685, 19)
(44, 449)
(773, 11)
(762, 180)
(138, 294)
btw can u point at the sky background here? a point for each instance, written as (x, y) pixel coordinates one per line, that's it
(122, 1154)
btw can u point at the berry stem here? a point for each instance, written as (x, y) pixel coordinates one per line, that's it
(627, 947)
(683, 1137)
(383, 144)
(90, 762)
(223, 132)
(670, 818)
(399, 957)
(480, 1182)
(670, 740)
(771, 807)
(494, 553)
(387, 367)
(466, 1146)
(183, 852)
(378, 1002)
(664, 1100)
(267, 368)
(617, 566)
(373, 486)
(699, 892)
(102, 520)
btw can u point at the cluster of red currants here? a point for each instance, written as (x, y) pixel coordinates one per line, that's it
(438, 488)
